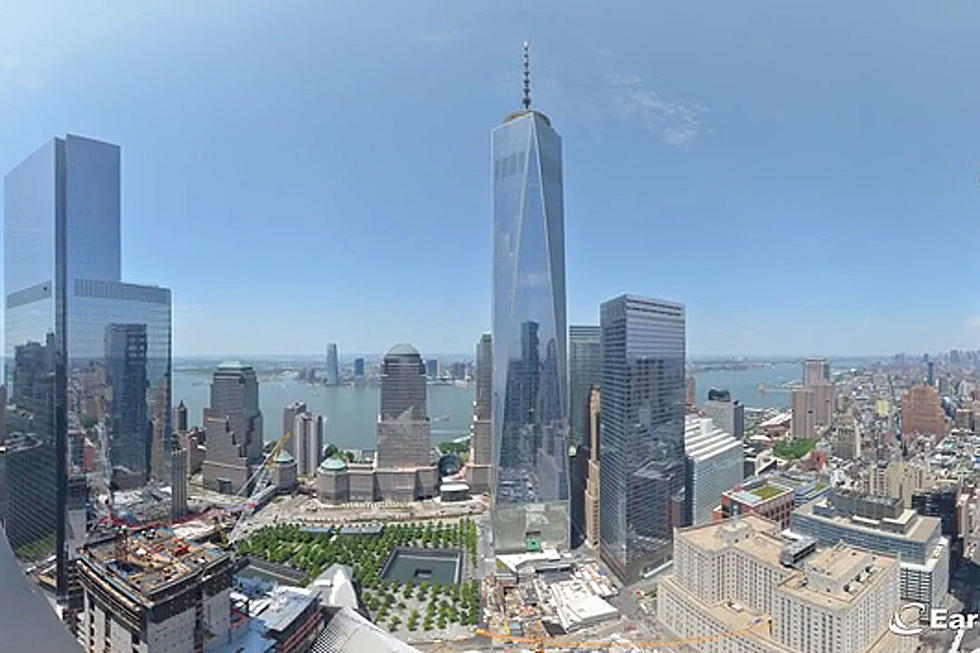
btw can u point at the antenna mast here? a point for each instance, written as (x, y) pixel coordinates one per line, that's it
(526, 101)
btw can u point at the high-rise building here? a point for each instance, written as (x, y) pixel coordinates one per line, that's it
(728, 415)
(236, 420)
(529, 415)
(714, 464)
(922, 413)
(333, 365)
(815, 370)
(432, 368)
(883, 524)
(803, 424)
(816, 378)
(642, 465)
(179, 602)
(63, 285)
(403, 422)
(778, 594)
(692, 393)
(178, 480)
(308, 440)
(289, 414)
(358, 368)
(479, 466)
(592, 481)
(180, 417)
(584, 371)
(128, 423)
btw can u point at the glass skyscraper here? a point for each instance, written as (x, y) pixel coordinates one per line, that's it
(642, 464)
(585, 371)
(87, 357)
(529, 411)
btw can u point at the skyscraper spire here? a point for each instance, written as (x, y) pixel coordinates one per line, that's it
(527, 79)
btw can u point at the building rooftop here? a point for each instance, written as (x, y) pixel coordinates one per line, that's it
(149, 561)
(284, 457)
(921, 529)
(753, 535)
(281, 609)
(333, 465)
(403, 349)
(838, 576)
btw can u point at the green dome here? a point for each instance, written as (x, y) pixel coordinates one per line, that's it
(283, 457)
(333, 465)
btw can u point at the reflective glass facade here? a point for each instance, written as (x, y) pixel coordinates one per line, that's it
(642, 464)
(585, 371)
(529, 410)
(87, 357)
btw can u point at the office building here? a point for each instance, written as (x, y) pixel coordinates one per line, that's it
(403, 469)
(529, 413)
(584, 372)
(63, 285)
(692, 393)
(592, 480)
(922, 413)
(897, 478)
(816, 378)
(333, 365)
(235, 396)
(480, 464)
(308, 440)
(289, 414)
(403, 423)
(714, 465)
(803, 424)
(882, 524)
(642, 464)
(432, 368)
(758, 495)
(847, 439)
(727, 414)
(358, 368)
(815, 371)
(178, 480)
(944, 503)
(128, 422)
(779, 594)
(180, 417)
(149, 591)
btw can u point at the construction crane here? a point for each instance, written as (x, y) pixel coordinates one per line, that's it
(259, 482)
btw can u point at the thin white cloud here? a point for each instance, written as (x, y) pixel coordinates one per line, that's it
(675, 121)
(973, 321)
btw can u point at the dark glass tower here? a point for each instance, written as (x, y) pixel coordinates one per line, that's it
(529, 410)
(585, 371)
(63, 288)
(642, 465)
(125, 366)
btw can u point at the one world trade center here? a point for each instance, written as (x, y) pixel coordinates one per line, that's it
(529, 414)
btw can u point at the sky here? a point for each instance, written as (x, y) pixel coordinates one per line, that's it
(802, 176)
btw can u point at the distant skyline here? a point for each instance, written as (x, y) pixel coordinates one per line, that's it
(803, 179)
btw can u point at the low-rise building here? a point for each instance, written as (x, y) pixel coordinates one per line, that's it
(761, 496)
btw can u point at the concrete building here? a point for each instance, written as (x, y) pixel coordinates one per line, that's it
(308, 438)
(727, 414)
(225, 468)
(815, 371)
(333, 365)
(802, 402)
(178, 480)
(403, 423)
(289, 414)
(642, 463)
(403, 468)
(816, 377)
(284, 472)
(847, 439)
(592, 480)
(882, 524)
(714, 465)
(432, 368)
(922, 413)
(235, 396)
(778, 594)
(897, 478)
(152, 592)
(479, 466)
(180, 417)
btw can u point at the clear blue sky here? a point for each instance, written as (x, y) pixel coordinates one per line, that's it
(803, 177)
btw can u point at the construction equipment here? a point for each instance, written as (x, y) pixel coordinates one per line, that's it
(259, 482)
